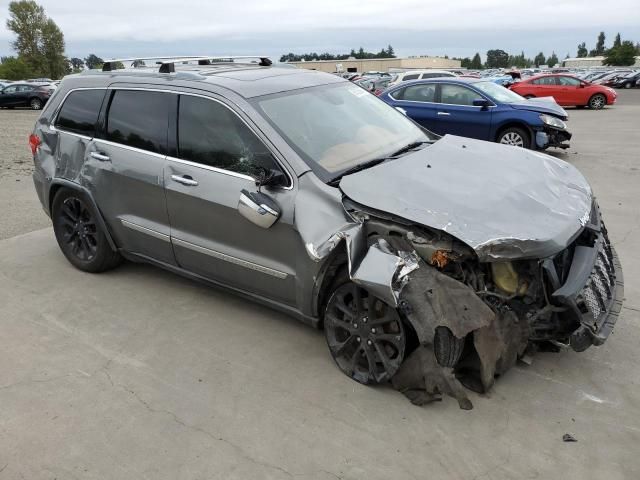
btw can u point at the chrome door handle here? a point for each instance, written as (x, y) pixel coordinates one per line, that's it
(444, 113)
(100, 156)
(185, 180)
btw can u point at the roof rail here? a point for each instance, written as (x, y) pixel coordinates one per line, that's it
(167, 63)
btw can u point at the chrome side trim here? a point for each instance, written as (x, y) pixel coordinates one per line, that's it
(127, 147)
(229, 258)
(212, 169)
(145, 230)
(54, 129)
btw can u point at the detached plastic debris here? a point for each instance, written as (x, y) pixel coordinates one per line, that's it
(567, 437)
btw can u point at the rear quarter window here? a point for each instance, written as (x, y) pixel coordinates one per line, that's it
(412, 76)
(79, 112)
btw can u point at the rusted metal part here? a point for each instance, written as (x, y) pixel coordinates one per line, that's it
(439, 258)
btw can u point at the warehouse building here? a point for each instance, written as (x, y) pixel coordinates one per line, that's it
(379, 64)
(586, 62)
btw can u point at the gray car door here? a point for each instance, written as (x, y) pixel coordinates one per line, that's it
(126, 165)
(216, 152)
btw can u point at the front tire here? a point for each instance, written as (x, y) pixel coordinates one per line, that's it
(35, 104)
(79, 235)
(514, 136)
(366, 337)
(597, 102)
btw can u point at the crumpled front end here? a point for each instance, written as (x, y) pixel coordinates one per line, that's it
(473, 320)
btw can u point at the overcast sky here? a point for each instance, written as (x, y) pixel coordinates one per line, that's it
(112, 28)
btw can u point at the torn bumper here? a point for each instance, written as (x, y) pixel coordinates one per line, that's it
(552, 137)
(592, 292)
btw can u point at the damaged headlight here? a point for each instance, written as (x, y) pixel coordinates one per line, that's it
(553, 121)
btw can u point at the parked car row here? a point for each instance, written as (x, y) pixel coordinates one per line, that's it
(478, 108)
(567, 90)
(32, 95)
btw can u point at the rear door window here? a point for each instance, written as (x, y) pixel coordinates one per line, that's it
(569, 81)
(544, 81)
(417, 93)
(457, 95)
(139, 119)
(211, 134)
(79, 112)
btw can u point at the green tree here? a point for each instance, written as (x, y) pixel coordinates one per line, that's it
(53, 50)
(497, 59)
(539, 59)
(26, 19)
(39, 42)
(13, 68)
(599, 50)
(582, 50)
(552, 60)
(622, 55)
(465, 62)
(390, 52)
(76, 63)
(92, 61)
(476, 62)
(617, 42)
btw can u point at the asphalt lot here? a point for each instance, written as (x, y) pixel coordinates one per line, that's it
(139, 373)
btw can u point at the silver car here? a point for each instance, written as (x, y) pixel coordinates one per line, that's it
(431, 262)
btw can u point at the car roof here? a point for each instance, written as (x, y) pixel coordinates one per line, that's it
(458, 80)
(559, 74)
(246, 80)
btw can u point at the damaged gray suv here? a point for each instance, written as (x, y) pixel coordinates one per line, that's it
(430, 262)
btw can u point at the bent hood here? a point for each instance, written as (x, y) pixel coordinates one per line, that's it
(542, 105)
(504, 202)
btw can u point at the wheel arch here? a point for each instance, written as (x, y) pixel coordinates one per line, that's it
(59, 183)
(514, 124)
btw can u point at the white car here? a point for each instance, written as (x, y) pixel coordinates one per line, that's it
(421, 74)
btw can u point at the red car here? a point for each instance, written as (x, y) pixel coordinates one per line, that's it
(567, 90)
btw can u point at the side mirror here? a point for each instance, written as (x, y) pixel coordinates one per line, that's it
(481, 102)
(259, 208)
(582, 85)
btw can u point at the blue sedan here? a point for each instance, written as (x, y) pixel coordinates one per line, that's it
(478, 108)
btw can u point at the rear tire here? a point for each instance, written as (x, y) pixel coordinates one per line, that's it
(514, 136)
(627, 85)
(79, 234)
(597, 102)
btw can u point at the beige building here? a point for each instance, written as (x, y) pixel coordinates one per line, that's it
(378, 64)
(589, 62)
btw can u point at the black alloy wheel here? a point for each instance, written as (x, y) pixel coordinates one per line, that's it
(35, 104)
(79, 234)
(78, 229)
(365, 336)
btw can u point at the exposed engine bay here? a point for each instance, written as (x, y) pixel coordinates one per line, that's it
(432, 319)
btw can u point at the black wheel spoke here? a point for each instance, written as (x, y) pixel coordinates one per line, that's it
(382, 354)
(365, 336)
(341, 347)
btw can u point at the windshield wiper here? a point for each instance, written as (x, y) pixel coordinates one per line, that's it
(357, 168)
(406, 148)
(363, 166)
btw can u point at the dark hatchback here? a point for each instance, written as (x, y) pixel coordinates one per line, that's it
(481, 109)
(30, 95)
